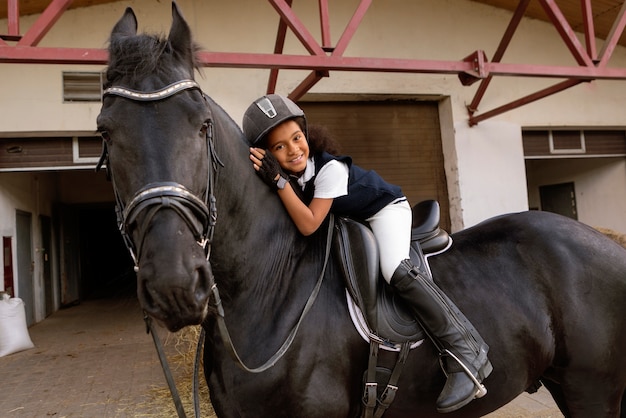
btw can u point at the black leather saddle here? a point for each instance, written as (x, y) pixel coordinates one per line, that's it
(387, 316)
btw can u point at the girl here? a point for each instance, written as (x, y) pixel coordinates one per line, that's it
(276, 129)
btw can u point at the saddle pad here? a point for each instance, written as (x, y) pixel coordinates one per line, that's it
(366, 333)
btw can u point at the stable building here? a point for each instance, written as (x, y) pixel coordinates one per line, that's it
(487, 106)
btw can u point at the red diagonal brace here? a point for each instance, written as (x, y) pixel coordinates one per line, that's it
(497, 56)
(613, 37)
(47, 19)
(344, 40)
(567, 33)
(351, 27)
(278, 49)
(474, 120)
(297, 27)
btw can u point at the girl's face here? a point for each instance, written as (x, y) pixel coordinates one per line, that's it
(289, 145)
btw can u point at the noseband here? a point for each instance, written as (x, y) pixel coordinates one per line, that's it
(199, 214)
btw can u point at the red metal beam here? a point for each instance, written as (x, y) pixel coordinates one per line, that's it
(325, 26)
(43, 55)
(281, 33)
(590, 32)
(567, 33)
(307, 84)
(497, 56)
(45, 21)
(611, 40)
(475, 67)
(315, 76)
(298, 28)
(351, 27)
(13, 17)
(474, 120)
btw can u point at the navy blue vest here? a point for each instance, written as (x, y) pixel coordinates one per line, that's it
(368, 192)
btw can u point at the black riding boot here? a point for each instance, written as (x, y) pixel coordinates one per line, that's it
(454, 336)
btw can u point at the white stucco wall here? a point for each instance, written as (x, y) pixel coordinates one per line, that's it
(484, 164)
(491, 171)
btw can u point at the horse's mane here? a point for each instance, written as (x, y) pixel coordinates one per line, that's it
(134, 58)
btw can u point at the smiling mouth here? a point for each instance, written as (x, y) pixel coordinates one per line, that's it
(297, 159)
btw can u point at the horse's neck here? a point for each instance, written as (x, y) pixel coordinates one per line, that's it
(264, 269)
(256, 245)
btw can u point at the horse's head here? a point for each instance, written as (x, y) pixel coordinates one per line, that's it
(156, 125)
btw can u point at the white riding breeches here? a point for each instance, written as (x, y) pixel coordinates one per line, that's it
(392, 229)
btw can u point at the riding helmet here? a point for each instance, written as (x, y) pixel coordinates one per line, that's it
(267, 112)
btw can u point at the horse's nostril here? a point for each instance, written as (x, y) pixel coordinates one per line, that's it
(145, 298)
(203, 283)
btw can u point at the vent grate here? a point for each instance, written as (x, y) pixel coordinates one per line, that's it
(82, 86)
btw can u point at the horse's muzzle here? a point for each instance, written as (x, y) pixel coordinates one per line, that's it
(175, 294)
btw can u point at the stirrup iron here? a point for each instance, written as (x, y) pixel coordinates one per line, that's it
(481, 390)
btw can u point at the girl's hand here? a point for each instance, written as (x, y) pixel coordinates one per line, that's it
(267, 167)
(256, 156)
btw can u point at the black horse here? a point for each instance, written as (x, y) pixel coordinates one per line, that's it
(546, 293)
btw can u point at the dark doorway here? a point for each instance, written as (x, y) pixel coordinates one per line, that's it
(46, 259)
(25, 288)
(7, 248)
(106, 267)
(559, 198)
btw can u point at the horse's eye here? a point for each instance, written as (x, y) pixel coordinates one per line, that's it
(203, 130)
(104, 134)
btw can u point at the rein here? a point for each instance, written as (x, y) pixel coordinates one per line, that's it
(201, 216)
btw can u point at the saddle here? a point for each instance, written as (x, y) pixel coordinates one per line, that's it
(389, 320)
(380, 316)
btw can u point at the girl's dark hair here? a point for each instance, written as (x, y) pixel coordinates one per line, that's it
(320, 140)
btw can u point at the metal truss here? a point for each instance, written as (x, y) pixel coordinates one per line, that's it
(326, 57)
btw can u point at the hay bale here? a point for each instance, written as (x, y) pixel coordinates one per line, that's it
(615, 236)
(181, 350)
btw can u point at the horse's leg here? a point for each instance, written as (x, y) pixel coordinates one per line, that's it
(557, 394)
(586, 398)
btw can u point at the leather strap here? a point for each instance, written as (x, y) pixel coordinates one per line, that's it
(221, 323)
(392, 386)
(166, 368)
(370, 394)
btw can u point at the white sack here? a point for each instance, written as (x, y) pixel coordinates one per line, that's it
(13, 330)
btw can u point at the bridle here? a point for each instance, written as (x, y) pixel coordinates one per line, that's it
(199, 214)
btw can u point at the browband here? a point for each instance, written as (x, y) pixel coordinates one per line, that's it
(165, 92)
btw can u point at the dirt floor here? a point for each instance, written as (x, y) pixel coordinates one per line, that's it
(96, 360)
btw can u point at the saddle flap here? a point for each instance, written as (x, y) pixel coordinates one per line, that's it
(386, 314)
(357, 254)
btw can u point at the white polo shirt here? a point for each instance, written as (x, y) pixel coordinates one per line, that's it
(330, 182)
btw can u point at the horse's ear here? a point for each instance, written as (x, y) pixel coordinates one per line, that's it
(180, 36)
(126, 26)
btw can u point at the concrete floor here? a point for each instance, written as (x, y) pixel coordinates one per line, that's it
(96, 360)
